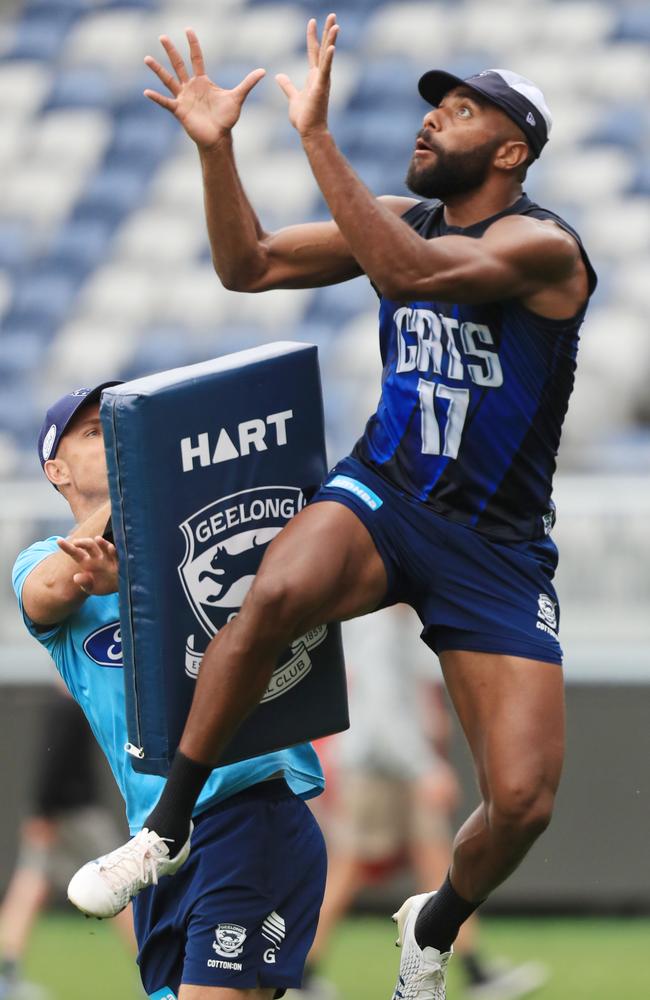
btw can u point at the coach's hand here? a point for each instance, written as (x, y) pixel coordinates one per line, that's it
(97, 562)
(308, 107)
(206, 112)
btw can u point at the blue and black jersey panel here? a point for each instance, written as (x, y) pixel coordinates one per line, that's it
(473, 398)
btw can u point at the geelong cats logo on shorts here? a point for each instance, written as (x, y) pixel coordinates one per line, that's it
(225, 542)
(229, 940)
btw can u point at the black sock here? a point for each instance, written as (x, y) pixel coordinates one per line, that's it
(441, 917)
(171, 817)
(474, 970)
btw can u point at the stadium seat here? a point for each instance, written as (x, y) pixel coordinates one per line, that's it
(21, 352)
(80, 87)
(44, 294)
(112, 192)
(76, 137)
(40, 35)
(42, 193)
(23, 85)
(593, 172)
(633, 22)
(90, 348)
(620, 229)
(15, 244)
(123, 292)
(160, 236)
(574, 24)
(116, 39)
(80, 245)
(276, 30)
(622, 125)
(417, 31)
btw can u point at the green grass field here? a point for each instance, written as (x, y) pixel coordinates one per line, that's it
(590, 959)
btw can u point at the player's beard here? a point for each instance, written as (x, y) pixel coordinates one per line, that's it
(450, 173)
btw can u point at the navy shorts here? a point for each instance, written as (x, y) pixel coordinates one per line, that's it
(470, 591)
(242, 911)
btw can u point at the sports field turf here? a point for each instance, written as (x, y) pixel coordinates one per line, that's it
(591, 959)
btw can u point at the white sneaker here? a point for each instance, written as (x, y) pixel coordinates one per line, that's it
(102, 888)
(422, 971)
(509, 982)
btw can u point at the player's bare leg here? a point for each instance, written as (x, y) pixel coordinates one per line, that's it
(512, 712)
(322, 567)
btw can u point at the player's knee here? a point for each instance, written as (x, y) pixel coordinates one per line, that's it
(524, 808)
(274, 603)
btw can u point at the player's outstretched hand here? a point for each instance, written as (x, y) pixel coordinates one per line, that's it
(308, 107)
(97, 562)
(206, 112)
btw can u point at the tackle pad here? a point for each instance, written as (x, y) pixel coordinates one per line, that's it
(206, 464)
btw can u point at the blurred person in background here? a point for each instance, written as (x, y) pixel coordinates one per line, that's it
(66, 820)
(392, 794)
(240, 918)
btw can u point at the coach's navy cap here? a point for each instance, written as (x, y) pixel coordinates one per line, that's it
(59, 416)
(520, 98)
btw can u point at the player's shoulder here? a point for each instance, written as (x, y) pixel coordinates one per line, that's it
(536, 234)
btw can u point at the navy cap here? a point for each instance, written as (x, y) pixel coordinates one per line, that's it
(521, 99)
(59, 416)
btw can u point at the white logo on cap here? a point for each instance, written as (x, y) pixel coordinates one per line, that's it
(530, 118)
(80, 392)
(48, 442)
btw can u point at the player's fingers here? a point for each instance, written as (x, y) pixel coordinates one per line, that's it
(330, 21)
(169, 103)
(312, 43)
(163, 75)
(175, 58)
(326, 61)
(244, 88)
(107, 548)
(90, 546)
(196, 55)
(286, 85)
(70, 549)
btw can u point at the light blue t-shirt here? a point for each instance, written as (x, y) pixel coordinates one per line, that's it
(87, 651)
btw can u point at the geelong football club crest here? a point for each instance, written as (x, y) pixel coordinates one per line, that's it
(229, 940)
(225, 542)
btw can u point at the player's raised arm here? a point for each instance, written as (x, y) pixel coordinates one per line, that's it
(86, 564)
(245, 256)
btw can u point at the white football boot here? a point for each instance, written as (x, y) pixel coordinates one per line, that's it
(102, 888)
(422, 971)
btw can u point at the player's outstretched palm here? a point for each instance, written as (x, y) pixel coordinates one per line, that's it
(206, 112)
(97, 562)
(308, 107)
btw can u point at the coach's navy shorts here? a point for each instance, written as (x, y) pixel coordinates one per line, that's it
(242, 911)
(470, 592)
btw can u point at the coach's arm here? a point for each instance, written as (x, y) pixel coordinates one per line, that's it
(53, 589)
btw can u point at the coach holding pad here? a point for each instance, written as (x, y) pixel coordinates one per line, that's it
(445, 502)
(240, 917)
